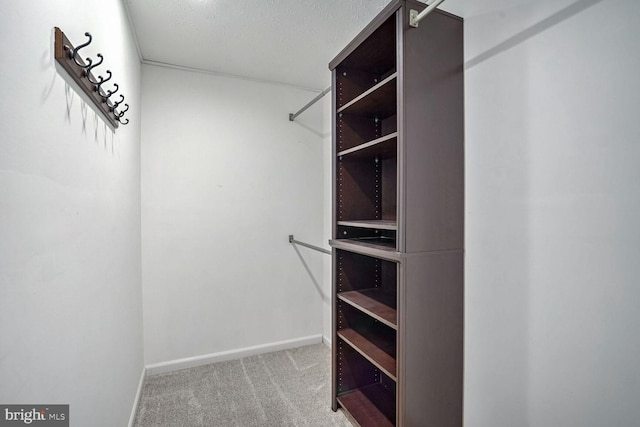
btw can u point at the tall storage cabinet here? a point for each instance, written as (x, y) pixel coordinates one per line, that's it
(398, 216)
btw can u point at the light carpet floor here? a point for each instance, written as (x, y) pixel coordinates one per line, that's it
(285, 388)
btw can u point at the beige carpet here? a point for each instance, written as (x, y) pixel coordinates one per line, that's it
(286, 388)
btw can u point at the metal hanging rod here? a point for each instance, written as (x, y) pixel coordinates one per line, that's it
(415, 17)
(315, 248)
(292, 116)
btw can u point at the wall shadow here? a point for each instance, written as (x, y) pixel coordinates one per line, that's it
(314, 280)
(532, 31)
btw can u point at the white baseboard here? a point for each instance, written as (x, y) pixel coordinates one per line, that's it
(190, 362)
(326, 341)
(134, 410)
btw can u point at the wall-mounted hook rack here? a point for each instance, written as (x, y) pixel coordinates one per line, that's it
(81, 71)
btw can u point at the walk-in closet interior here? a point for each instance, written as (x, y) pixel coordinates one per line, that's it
(319, 213)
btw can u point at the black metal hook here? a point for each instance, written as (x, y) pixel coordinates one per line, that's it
(97, 84)
(115, 104)
(94, 83)
(118, 118)
(121, 113)
(91, 67)
(109, 93)
(74, 53)
(88, 60)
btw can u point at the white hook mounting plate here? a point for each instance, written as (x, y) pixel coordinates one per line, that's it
(413, 14)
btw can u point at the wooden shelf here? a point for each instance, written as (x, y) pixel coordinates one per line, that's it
(371, 406)
(386, 245)
(374, 348)
(379, 101)
(379, 224)
(370, 247)
(376, 302)
(383, 147)
(354, 82)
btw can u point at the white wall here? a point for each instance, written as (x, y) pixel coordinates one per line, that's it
(225, 179)
(70, 291)
(552, 234)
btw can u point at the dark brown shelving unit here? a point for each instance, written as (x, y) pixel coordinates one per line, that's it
(398, 213)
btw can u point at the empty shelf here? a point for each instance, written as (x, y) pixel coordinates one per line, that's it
(382, 147)
(380, 224)
(379, 101)
(374, 348)
(388, 245)
(377, 303)
(379, 248)
(370, 406)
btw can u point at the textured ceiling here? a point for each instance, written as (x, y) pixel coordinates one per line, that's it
(286, 41)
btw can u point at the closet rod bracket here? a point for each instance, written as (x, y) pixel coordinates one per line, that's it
(415, 17)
